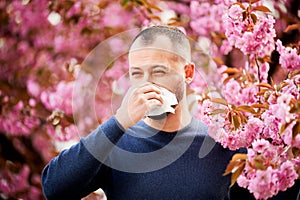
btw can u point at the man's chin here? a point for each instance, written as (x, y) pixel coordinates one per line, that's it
(159, 117)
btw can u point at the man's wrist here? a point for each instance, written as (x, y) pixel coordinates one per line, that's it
(122, 121)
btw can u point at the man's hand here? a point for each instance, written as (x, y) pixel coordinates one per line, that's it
(137, 103)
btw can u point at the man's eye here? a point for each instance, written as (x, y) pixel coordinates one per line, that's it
(136, 73)
(159, 72)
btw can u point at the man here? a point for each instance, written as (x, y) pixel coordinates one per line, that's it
(136, 155)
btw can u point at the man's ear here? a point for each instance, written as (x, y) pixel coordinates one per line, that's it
(189, 72)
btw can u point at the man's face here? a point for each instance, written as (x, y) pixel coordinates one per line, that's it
(159, 67)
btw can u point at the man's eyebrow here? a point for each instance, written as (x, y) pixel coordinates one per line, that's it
(137, 68)
(152, 67)
(161, 66)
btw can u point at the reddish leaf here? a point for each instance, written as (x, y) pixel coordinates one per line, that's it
(218, 61)
(254, 1)
(243, 118)
(292, 27)
(257, 105)
(231, 70)
(262, 92)
(235, 121)
(154, 17)
(219, 100)
(296, 151)
(296, 129)
(262, 9)
(240, 4)
(151, 6)
(284, 126)
(295, 106)
(234, 76)
(239, 156)
(293, 73)
(246, 108)
(244, 15)
(236, 161)
(266, 85)
(237, 173)
(218, 111)
(254, 18)
(231, 166)
(267, 59)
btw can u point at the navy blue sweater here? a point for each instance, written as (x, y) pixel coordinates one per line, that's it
(145, 163)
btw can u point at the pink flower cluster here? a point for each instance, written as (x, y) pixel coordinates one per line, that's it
(235, 94)
(16, 121)
(267, 180)
(289, 57)
(60, 98)
(260, 70)
(62, 133)
(206, 18)
(219, 127)
(251, 37)
(13, 183)
(269, 166)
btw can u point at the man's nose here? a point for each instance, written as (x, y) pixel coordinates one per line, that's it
(147, 78)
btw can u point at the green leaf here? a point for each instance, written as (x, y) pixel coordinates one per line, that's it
(259, 163)
(124, 2)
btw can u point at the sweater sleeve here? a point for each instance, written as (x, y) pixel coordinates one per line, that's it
(78, 171)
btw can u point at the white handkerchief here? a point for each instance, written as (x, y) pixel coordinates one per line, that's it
(169, 100)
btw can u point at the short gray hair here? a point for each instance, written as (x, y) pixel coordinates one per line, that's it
(179, 41)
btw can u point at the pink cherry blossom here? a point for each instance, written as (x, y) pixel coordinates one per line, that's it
(289, 57)
(262, 185)
(287, 175)
(251, 38)
(60, 98)
(271, 127)
(282, 109)
(15, 122)
(206, 17)
(231, 90)
(40, 62)
(288, 138)
(12, 183)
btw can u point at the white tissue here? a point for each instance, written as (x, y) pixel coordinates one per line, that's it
(169, 100)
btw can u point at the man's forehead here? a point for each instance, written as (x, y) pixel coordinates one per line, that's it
(146, 51)
(153, 55)
(160, 42)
